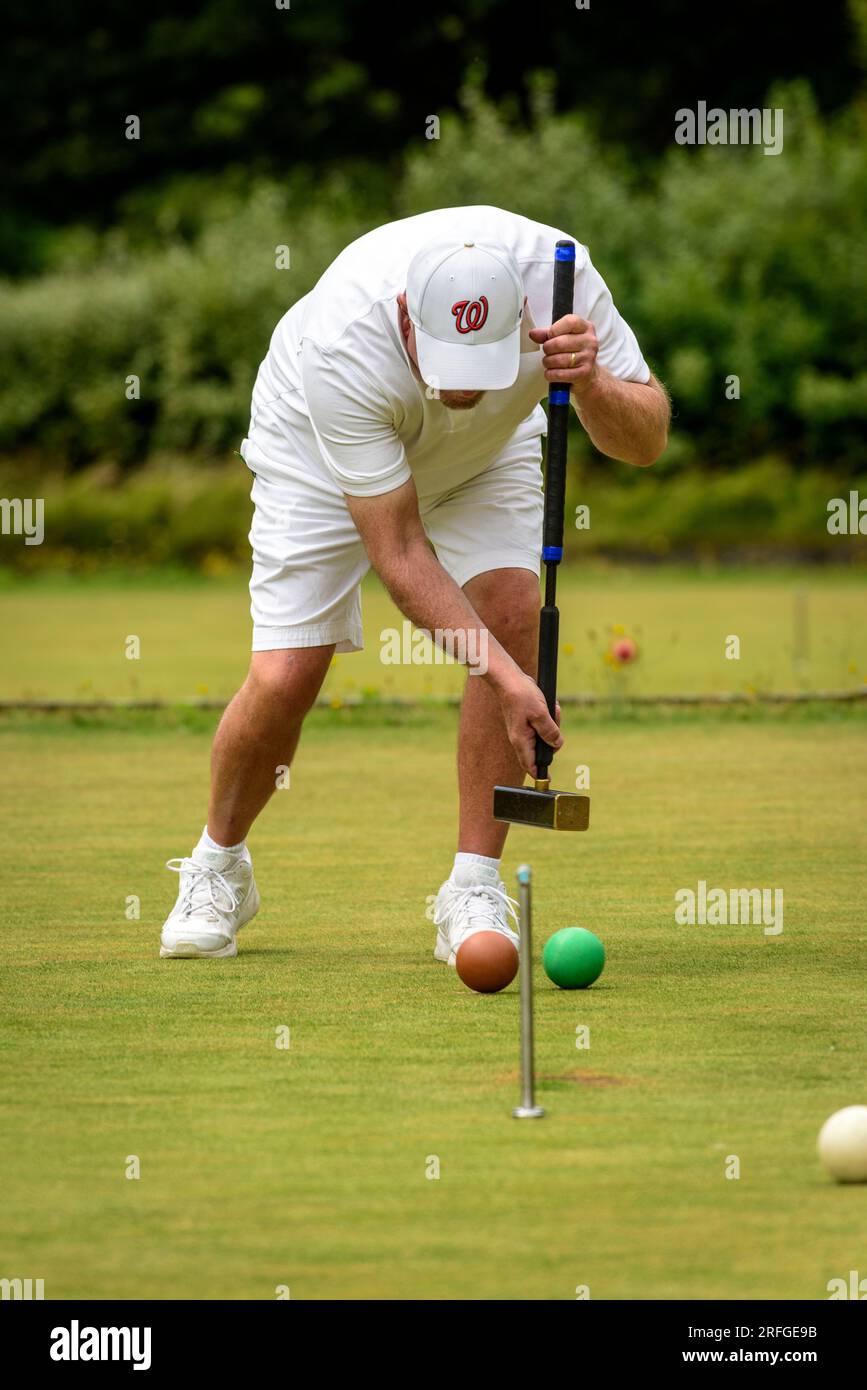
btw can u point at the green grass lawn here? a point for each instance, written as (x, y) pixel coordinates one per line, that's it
(307, 1167)
(68, 637)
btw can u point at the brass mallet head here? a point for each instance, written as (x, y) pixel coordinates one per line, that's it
(540, 806)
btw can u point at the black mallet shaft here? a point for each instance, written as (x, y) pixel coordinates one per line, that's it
(539, 805)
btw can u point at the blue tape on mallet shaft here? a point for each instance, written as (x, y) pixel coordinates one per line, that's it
(552, 554)
(558, 395)
(564, 253)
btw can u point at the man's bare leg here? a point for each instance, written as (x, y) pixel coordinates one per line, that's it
(217, 894)
(258, 733)
(507, 601)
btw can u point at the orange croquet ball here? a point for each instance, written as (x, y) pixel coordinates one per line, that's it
(487, 961)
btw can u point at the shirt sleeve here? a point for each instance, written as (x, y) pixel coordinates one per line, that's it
(353, 424)
(618, 345)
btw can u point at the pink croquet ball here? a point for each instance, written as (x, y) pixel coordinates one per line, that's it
(623, 650)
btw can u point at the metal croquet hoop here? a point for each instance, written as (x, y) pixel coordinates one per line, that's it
(528, 1109)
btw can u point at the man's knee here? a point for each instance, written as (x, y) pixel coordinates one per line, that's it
(292, 678)
(507, 601)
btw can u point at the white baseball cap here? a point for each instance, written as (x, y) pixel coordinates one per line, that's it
(466, 300)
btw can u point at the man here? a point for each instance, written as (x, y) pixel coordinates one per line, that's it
(398, 405)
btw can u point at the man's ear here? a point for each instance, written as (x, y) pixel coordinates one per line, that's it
(403, 316)
(527, 344)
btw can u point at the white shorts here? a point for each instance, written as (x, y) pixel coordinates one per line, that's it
(309, 560)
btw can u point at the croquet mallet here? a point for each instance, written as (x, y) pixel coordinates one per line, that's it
(537, 804)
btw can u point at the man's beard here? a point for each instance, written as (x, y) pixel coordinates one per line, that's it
(453, 400)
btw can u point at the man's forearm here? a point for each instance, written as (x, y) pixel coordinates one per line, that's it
(431, 599)
(626, 420)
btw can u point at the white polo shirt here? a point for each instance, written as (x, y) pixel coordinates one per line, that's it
(337, 383)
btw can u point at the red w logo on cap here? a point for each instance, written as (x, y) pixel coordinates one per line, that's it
(470, 314)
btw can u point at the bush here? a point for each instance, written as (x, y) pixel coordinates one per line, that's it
(175, 512)
(727, 262)
(191, 322)
(168, 513)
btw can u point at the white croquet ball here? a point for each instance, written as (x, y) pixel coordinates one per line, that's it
(843, 1144)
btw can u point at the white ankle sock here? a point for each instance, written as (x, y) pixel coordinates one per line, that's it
(480, 861)
(207, 843)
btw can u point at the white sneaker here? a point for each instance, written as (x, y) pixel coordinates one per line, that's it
(217, 896)
(474, 899)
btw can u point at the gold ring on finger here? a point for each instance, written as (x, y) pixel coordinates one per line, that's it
(572, 360)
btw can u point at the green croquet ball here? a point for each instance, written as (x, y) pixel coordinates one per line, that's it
(573, 958)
